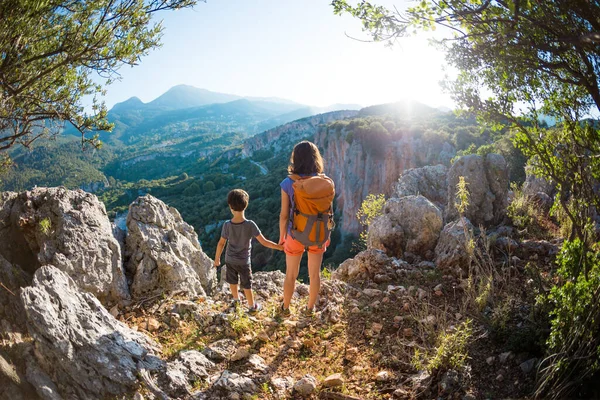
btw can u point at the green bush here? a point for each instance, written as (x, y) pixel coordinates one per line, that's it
(574, 342)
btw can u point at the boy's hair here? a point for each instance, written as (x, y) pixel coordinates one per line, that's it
(306, 159)
(238, 199)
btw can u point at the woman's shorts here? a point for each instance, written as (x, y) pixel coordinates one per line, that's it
(292, 247)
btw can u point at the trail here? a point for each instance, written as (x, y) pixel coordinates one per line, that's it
(263, 169)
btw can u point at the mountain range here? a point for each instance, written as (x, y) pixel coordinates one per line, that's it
(185, 110)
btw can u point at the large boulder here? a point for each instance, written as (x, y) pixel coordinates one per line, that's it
(429, 181)
(68, 229)
(534, 185)
(163, 252)
(408, 224)
(86, 352)
(487, 182)
(451, 253)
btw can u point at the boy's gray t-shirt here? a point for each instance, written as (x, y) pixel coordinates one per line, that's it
(239, 241)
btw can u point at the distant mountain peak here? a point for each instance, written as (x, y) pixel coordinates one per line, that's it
(130, 103)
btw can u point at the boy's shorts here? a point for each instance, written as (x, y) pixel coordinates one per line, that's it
(292, 247)
(241, 274)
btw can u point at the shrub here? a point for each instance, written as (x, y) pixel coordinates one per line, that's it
(574, 342)
(371, 208)
(450, 351)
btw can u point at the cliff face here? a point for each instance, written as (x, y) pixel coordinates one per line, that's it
(285, 136)
(357, 172)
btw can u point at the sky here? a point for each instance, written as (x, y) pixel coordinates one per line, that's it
(298, 50)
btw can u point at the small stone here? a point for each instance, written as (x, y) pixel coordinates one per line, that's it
(490, 360)
(406, 306)
(115, 311)
(397, 319)
(438, 288)
(503, 357)
(400, 393)
(138, 396)
(528, 365)
(355, 310)
(439, 293)
(334, 380)
(240, 354)
(376, 328)
(305, 386)
(373, 292)
(421, 294)
(407, 332)
(263, 336)
(351, 351)
(290, 324)
(500, 377)
(385, 300)
(152, 324)
(383, 376)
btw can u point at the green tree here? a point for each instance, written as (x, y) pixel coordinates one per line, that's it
(52, 53)
(208, 187)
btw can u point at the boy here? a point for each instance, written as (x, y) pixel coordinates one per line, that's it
(239, 233)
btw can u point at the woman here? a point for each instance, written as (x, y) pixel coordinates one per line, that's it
(305, 162)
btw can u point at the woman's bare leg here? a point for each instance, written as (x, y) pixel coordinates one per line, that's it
(314, 273)
(292, 267)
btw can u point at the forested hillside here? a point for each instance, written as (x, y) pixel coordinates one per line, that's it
(193, 165)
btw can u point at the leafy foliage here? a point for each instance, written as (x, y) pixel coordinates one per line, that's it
(450, 351)
(574, 341)
(370, 208)
(50, 51)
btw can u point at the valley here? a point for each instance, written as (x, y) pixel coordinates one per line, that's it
(189, 152)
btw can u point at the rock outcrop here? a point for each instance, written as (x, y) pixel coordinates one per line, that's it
(284, 137)
(487, 182)
(357, 172)
(408, 224)
(451, 253)
(429, 181)
(79, 344)
(163, 252)
(68, 229)
(534, 185)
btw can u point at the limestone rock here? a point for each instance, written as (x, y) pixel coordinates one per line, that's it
(232, 382)
(164, 254)
(357, 171)
(334, 380)
(487, 182)
(305, 386)
(220, 350)
(534, 185)
(451, 251)
(429, 181)
(13, 278)
(86, 352)
(408, 224)
(367, 263)
(68, 229)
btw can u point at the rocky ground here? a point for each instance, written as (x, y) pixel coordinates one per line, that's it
(435, 307)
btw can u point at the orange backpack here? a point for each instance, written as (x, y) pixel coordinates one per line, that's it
(312, 213)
